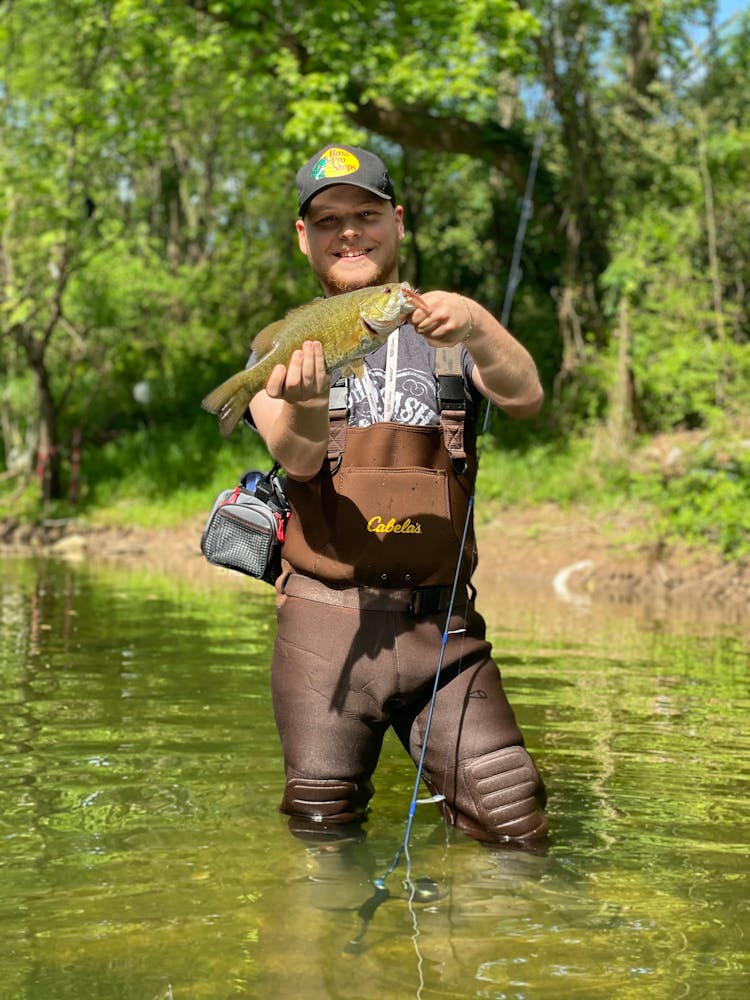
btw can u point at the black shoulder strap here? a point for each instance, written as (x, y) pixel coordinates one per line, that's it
(452, 403)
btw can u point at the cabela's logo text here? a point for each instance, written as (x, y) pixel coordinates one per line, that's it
(394, 527)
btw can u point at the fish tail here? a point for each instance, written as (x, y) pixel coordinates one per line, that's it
(230, 401)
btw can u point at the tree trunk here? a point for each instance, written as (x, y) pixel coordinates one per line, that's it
(48, 454)
(565, 50)
(713, 257)
(642, 61)
(621, 396)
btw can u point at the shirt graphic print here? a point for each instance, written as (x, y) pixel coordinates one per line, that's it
(415, 397)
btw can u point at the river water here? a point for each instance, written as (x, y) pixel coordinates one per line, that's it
(142, 856)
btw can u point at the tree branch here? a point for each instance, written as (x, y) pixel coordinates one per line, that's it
(416, 127)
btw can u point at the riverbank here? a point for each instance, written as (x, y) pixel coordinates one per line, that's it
(581, 557)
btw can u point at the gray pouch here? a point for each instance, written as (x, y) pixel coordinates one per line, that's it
(245, 531)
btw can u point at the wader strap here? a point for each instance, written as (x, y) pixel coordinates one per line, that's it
(452, 403)
(337, 414)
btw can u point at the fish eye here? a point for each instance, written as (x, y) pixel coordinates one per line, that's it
(386, 291)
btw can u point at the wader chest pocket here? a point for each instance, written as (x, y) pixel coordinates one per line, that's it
(397, 497)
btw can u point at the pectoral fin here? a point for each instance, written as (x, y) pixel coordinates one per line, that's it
(266, 340)
(355, 367)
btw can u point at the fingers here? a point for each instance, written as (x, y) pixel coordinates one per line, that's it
(443, 320)
(304, 378)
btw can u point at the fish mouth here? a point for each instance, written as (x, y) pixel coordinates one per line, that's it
(388, 318)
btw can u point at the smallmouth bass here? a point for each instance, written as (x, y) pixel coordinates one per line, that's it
(349, 326)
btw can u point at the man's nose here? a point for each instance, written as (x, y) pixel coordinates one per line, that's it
(349, 227)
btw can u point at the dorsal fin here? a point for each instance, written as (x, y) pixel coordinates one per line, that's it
(266, 338)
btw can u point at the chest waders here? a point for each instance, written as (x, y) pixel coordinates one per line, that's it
(388, 509)
(372, 554)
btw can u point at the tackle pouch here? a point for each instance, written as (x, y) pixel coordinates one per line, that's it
(245, 529)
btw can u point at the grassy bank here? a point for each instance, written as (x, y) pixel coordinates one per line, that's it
(691, 486)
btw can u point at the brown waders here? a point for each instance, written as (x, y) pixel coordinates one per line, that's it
(370, 557)
(342, 675)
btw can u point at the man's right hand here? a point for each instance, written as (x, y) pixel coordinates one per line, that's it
(304, 378)
(291, 413)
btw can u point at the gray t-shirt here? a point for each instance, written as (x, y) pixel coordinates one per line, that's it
(415, 398)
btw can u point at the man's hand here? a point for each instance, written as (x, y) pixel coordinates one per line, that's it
(503, 371)
(305, 377)
(447, 320)
(291, 413)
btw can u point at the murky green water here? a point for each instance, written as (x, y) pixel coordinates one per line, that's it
(142, 856)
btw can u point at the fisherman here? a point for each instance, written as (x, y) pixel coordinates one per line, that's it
(380, 470)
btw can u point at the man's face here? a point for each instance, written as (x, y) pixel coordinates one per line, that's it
(351, 238)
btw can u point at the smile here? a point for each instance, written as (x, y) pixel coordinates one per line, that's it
(359, 252)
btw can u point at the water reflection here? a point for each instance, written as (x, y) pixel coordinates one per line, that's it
(141, 853)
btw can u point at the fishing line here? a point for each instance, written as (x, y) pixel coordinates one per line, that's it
(426, 889)
(415, 942)
(403, 850)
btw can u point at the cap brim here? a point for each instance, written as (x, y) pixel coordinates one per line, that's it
(337, 183)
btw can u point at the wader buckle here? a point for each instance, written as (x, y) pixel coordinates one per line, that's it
(426, 601)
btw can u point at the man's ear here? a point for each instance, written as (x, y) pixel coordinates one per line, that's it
(299, 225)
(398, 211)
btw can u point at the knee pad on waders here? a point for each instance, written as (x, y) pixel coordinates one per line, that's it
(327, 800)
(508, 796)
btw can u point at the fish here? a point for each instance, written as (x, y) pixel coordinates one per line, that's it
(349, 326)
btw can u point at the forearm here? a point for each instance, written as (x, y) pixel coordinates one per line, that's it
(504, 370)
(296, 434)
(291, 413)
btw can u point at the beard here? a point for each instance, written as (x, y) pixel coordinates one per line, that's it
(350, 278)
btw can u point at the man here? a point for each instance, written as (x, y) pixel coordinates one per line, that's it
(379, 492)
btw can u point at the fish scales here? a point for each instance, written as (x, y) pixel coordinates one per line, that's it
(349, 326)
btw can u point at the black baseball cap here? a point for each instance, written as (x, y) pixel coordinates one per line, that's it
(342, 165)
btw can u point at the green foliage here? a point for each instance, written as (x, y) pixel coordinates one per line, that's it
(704, 499)
(147, 159)
(699, 498)
(680, 254)
(170, 472)
(562, 471)
(148, 476)
(376, 48)
(686, 371)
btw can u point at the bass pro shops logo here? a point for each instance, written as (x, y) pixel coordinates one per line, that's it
(377, 525)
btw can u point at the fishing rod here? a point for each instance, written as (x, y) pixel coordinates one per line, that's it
(514, 278)
(426, 889)
(515, 272)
